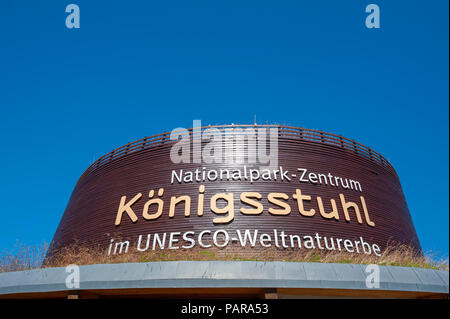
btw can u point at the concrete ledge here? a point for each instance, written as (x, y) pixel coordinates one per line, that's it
(225, 274)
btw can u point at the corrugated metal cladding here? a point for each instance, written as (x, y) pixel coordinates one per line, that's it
(145, 165)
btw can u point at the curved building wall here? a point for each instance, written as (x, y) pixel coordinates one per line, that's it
(139, 167)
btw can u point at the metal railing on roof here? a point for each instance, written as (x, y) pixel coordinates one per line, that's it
(287, 132)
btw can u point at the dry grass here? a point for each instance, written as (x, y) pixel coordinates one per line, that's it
(32, 257)
(23, 257)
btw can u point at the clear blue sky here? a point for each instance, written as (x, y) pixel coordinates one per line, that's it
(137, 68)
